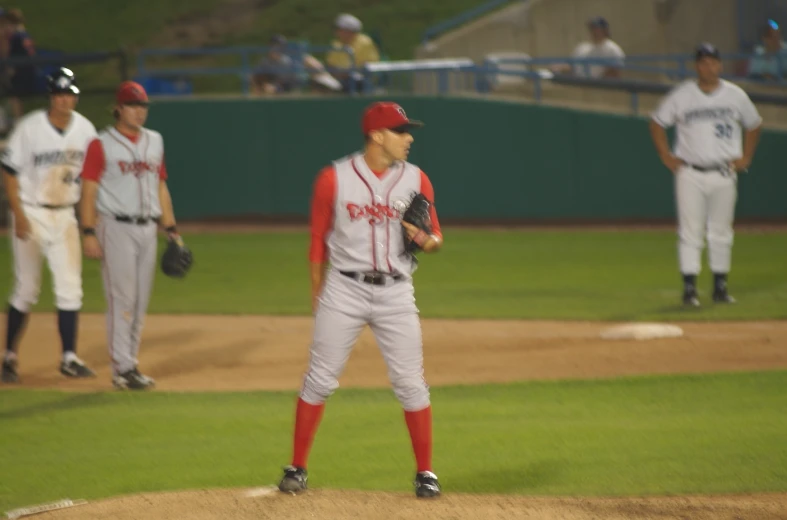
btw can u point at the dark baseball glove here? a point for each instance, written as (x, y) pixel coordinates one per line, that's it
(417, 214)
(177, 258)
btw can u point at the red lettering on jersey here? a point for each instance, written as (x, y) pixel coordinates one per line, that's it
(375, 213)
(137, 167)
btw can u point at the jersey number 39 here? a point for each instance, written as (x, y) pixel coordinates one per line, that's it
(723, 131)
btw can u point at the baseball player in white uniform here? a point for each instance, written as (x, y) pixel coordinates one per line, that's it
(42, 163)
(124, 199)
(718, 128)
(362, 275)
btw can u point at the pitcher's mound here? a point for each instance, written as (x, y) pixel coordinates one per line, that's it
(265, 503)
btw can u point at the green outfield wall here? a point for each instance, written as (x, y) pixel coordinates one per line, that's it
(488, 160)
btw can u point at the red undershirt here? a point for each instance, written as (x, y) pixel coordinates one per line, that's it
(95, 160)
(323, 202)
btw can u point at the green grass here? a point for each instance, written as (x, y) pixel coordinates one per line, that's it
(513, 274)
(399, 23)
(638, 436)
(65, 25)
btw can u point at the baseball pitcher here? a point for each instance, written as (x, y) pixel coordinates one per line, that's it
(710, 150)
(42, 164)
(371, 213)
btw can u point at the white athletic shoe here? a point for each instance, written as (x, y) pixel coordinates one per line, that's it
(72, 366)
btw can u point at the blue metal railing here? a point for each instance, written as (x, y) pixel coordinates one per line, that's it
(462, 18)
(683, 64)
(462, 74)
(492, 68)
(296, 51)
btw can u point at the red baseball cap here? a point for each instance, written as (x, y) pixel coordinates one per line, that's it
(386, 115)
(131, 92)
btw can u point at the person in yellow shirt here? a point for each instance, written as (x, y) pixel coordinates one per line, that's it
(348, 34)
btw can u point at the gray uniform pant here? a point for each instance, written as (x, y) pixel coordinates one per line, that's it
(128, 268)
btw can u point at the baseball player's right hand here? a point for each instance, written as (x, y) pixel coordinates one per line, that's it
(672, 163)
(22, 227)
(91, 247)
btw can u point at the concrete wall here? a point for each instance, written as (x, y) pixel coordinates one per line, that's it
(506, 29)
(555, 27)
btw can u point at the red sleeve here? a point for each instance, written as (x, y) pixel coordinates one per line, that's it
(428, 191)
(323, 199)
(95, 162)
(162, 170)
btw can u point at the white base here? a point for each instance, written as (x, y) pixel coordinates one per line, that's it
(642, 331)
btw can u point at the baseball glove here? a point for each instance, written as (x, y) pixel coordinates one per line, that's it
(177, 258)
(417, 214)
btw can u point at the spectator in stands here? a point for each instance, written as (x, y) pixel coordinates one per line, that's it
(22, 77)
(771, 57)
(277, 71)
(600, 46)
(348, 35)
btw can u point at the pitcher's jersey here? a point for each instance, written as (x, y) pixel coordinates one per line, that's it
(708, 125)
(356, 215)
(46, 161)
(128, 170)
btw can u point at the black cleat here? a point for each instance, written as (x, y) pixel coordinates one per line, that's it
(722, 296)
(75, 368)
(9, 373)
(426, 485)
(294, 480)
(132, 380)
(690, 299)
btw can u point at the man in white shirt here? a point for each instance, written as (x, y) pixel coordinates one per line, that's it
(718, 128)
(600, 46)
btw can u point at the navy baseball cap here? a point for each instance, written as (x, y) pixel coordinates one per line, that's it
(706, 50)
(598, 21)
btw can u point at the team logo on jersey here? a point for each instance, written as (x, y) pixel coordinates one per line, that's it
(375, 213)
(709, 113)
(136, 168)
(58, 157)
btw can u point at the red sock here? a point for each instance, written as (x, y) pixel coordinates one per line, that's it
(420, 425)
(307, 419)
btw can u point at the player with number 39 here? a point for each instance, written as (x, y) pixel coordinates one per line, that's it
(718, 128)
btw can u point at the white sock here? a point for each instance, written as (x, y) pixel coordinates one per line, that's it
(10, 355)
(69, 356)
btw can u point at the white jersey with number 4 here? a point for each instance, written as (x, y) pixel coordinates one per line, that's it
(708, 125)
(48, 161)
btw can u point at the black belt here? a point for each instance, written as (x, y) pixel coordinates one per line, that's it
(374, 277)
(53, 206)
(706, 169)
(141, 221)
